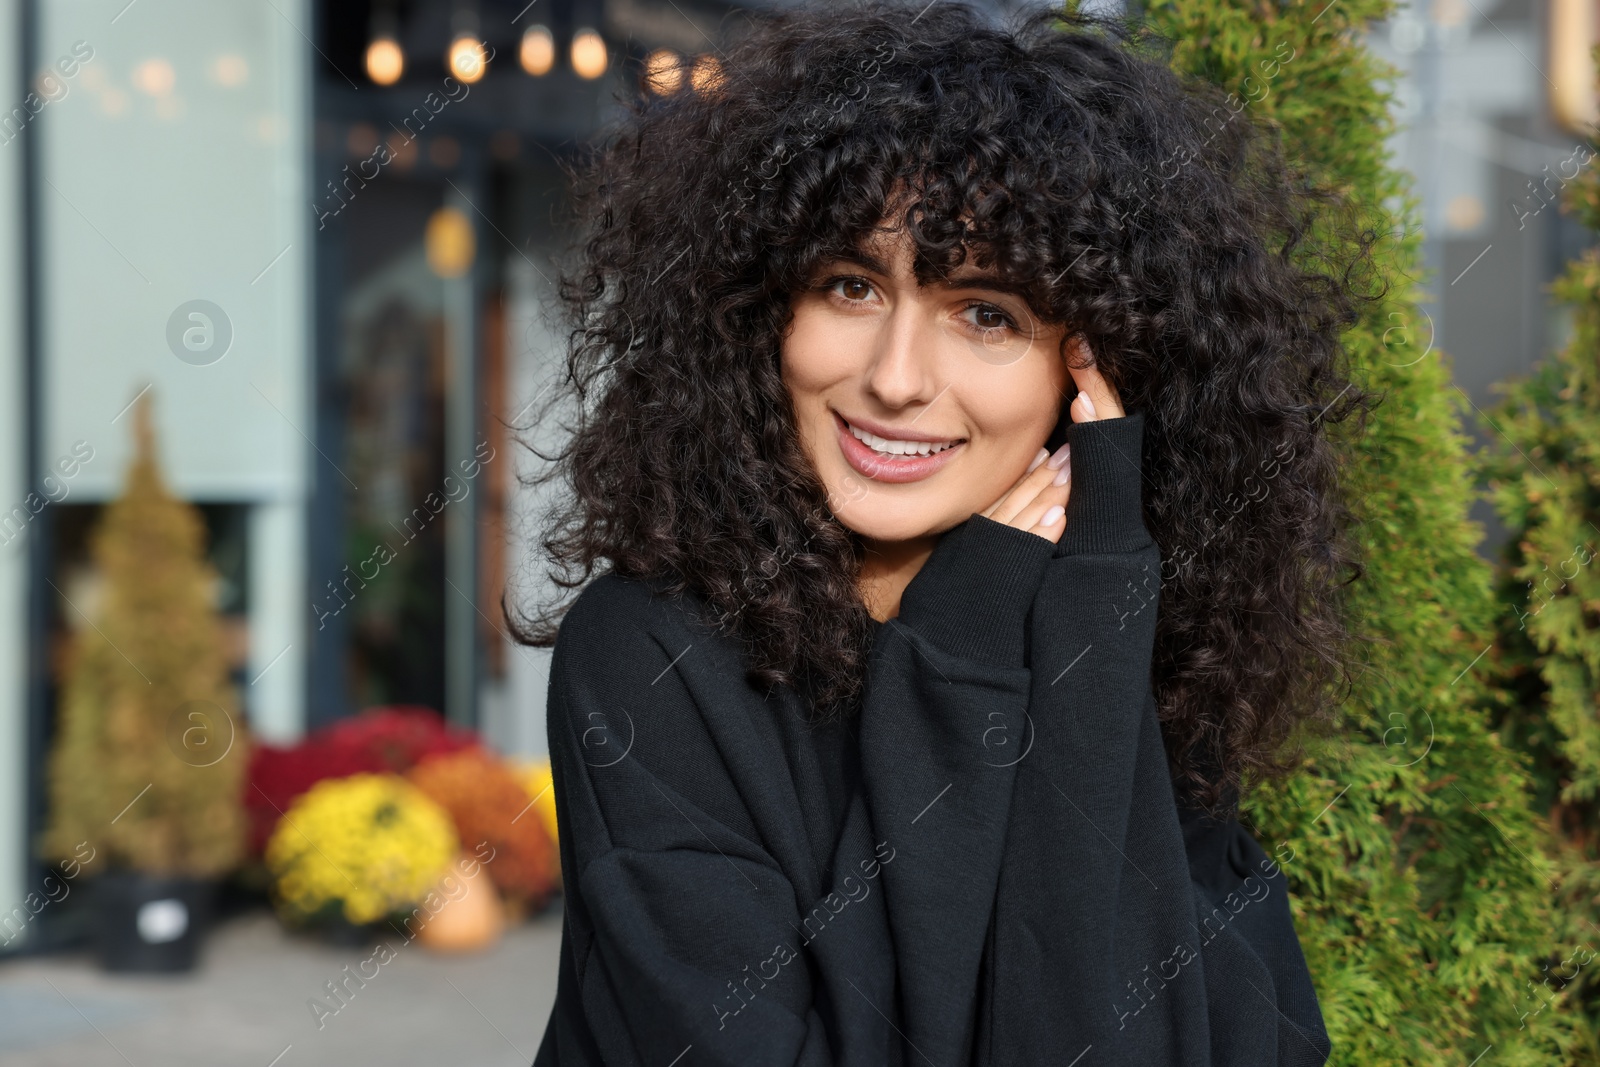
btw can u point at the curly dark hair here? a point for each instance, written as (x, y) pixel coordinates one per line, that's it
(1062, 150)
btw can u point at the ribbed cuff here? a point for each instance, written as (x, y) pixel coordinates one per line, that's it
(1105, 511)
(971, 597)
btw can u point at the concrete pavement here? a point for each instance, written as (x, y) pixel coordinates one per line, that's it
(249, 1004)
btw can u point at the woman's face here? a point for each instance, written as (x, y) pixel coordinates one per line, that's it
(918, 406)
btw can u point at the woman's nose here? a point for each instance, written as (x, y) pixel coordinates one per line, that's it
(903, 369)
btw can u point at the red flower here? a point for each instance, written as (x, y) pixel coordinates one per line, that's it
(393, 739)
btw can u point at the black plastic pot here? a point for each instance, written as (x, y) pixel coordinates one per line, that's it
(148, 924)
(340, 931)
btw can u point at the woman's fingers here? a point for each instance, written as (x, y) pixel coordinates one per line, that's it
(1096, 398)
(1030, 501)
(1022, 493)
(1038, 501)
(1051, 504)
(1004, 507)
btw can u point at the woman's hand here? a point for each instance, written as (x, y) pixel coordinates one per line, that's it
(1038, 501)
(1096, 399)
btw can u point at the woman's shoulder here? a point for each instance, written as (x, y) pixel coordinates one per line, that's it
(635, 642)
(637, 676)
(615, 611)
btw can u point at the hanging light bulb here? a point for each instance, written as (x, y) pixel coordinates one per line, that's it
(588, 54)
(707, 74)
(538, 51)
(467, 59)
(663, 71)
(385, 59)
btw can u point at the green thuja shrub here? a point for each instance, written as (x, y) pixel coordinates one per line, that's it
(1418, 869)
(1542, 465)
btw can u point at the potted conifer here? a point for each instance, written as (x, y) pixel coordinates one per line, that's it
(149, 756)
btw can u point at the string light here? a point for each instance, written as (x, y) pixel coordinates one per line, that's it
(663, 71)
(385, 60)
(707, 73)
(538, 51)
(588, 54)
(467, 59)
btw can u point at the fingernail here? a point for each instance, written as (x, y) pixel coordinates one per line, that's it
(1063, 476)
(1059, 460)
(1053, 516)
(1088, 404)
(1044, 454)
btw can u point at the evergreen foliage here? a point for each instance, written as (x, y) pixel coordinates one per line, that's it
(149, 758)
(1419, 877)
(1543, 469)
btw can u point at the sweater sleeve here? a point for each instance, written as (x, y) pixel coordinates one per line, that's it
(941, 726)
(1096, 910)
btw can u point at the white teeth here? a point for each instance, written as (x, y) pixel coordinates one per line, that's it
(897, 448)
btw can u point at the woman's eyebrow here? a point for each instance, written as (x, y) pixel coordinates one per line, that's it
(864, 259)
(985, 281)
(971, 280)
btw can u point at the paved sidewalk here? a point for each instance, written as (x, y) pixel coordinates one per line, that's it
(246, 1005)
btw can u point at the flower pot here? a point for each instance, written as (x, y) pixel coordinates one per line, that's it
(469, 921)
(144, 923)
(341, 932)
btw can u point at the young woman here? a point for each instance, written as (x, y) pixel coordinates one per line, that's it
(952, 412)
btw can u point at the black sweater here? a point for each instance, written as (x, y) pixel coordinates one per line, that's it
(988, 866)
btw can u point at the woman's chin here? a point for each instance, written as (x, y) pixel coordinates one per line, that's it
(889, 529)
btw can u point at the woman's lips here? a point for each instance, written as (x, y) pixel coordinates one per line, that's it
(882, 468)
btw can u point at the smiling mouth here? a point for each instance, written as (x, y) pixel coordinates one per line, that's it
(896, 447)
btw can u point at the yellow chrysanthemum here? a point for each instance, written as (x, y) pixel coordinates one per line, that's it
(372, 841)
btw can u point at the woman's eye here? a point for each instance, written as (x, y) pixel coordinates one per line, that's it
(852, 288)
(988, 317)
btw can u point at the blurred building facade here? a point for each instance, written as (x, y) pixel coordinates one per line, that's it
(1496, 102)
(319, 235)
